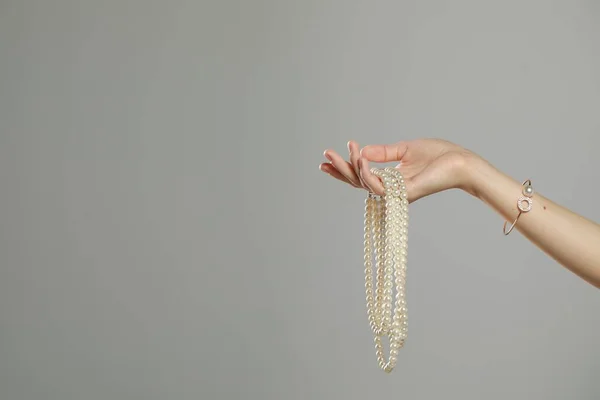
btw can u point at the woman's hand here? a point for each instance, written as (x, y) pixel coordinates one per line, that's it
(428, 166)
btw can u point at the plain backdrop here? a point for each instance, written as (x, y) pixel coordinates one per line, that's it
(165, 232)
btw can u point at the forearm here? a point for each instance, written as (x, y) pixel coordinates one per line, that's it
(570, 239)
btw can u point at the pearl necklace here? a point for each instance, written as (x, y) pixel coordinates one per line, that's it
(386, 228)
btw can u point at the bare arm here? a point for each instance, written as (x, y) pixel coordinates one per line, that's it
(570, 239)
(433, 165)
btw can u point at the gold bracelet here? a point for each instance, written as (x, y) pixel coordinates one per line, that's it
(526, 198)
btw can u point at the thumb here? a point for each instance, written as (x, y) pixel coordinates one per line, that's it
(384, 152)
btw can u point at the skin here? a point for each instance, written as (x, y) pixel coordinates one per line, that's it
(431, 165)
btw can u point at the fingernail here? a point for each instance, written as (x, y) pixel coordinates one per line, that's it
(328, 156)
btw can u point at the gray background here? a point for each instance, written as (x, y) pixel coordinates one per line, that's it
(166, 232)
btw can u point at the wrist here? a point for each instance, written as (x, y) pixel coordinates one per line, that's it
(476, 171)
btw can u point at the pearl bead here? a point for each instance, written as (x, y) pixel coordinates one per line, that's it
(385, 235)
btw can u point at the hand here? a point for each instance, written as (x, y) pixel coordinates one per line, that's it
(428, 166)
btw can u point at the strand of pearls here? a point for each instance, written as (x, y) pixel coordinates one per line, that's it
(386, 228)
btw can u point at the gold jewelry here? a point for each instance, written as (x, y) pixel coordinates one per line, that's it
(526, 198)
(386, 228)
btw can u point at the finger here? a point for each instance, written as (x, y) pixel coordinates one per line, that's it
(343, 166)
(384, 152)
(331, 170)
(354, 153)
(373, 182)
(413, 189)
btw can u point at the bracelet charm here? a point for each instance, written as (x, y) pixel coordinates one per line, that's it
(524, 204)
